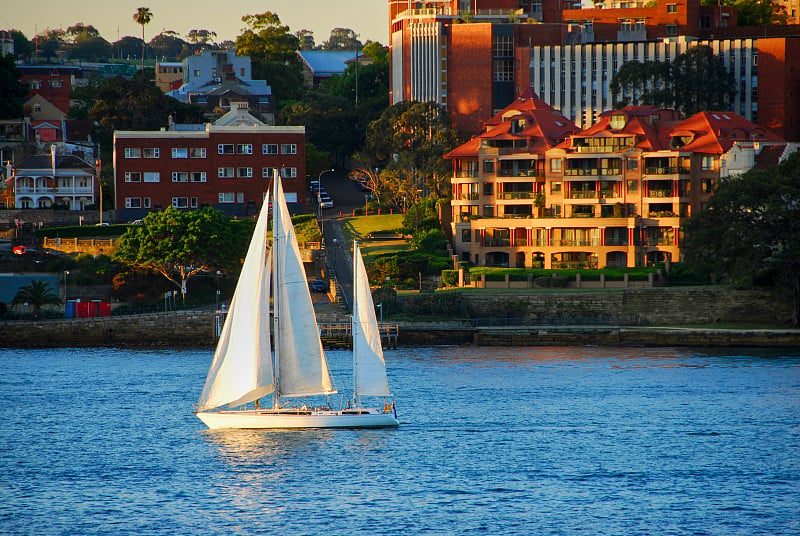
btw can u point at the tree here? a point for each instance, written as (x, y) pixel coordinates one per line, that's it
(143, 16)
(180, 244)
(37, 295)
(48, 44)
(201, 37)
(273, 52)
(87, 44)
(754, 12)
(750, 232)
(23, 47)
(305, 39)
(342, 39)
(127, 47)
(167, 44)
(11, 90)
(695, 81)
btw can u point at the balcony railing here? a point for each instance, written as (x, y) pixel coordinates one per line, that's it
(498, 243)
(518, 195)
(616, 241)
(592, 172)
(519, 173)
(579, 242)
(466, 175)
(469, 197)
(665, 170)
(659, 193)
(48, 190)
(581, 194)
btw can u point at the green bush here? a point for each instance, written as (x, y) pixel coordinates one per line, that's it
(450, 278)
(447, 304)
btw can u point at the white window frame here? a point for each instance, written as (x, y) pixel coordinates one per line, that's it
(269, 148)
(154, 152)
(288, 148)
(226, 148)
(133, 202)
(244, 148)
(133, 152)
(197, 152)
(244, 173)
(288, 172)
(226, 198)
(180, 176)
(193, 202)
(197, 176)
(268, 172)
(151, 176)
(180, 152)
(180, 202)
(133, 176)
(223, 172)
(146, 202)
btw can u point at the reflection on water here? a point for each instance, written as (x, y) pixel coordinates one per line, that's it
(501, 441)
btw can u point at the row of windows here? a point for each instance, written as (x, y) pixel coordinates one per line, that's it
(222, 148)
(184, 202)
(200, 176)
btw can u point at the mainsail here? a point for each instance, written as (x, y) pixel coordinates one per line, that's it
(303, 369)
(242, 367)
(368, 362)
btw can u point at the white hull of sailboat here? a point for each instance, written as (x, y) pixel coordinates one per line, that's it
(269, 419)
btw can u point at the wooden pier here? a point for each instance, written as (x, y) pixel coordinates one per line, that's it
(337, 335)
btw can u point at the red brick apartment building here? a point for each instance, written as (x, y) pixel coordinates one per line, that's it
(475, 56)
(533, 190)
(53, 82)
(224, 165)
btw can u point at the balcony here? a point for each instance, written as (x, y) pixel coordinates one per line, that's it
(581, 194)
(519, 173)
(658, 193)
(469, 197)
(666, 170)
(498, 243)
(586, 242)
(466, 175)
(518, 195)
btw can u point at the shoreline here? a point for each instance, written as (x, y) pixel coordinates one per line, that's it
(180, 330)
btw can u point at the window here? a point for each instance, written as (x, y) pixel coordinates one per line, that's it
(56, 82)
(146, 203)
(268, 172)
(288, 148)
(466, 235)
(198, 176)
(197, 152)
(503, 70)
(488, 211)
(244, 148)
(503, 46)
(269, 148)
(288, 172)
(180, 152)
(150, 152)
(180, 176)
(196, 72)
(555, 187)
(36, 84)
(633, 164)
(244, 172)
(633, 187)
(226, 197)
(709, 163)
(555, 165)
(225, 148)
(193, 202)
(37, 107)
(133, 202)
(488, 166)
(488, 188)
(152, 176)
(180, 202)
(672, 29)
(133, 176)
(672, 8)
(225, 172)
(133, 152)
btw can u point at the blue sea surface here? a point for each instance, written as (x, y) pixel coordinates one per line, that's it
(500, 441)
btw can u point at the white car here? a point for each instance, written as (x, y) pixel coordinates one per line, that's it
(325, 202)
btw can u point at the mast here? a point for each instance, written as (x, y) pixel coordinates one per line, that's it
(355, 325)
(276, 403)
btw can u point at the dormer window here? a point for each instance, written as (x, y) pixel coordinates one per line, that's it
(617, 121)
(517, 126)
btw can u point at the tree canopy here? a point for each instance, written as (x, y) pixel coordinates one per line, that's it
(695, 81)
(11, 90)
(37, 294)
(179, 244)
(750, 232)
(754, 12)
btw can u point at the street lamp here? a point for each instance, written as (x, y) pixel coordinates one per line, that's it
(97, 167)
(66, 273)
(319, 203)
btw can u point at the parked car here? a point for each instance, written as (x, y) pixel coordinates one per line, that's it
(325, 202)
(317, 285)
(22, 250)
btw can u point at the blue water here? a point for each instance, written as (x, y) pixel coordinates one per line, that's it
(500, 441)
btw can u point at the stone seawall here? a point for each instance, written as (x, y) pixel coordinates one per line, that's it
(630, 318)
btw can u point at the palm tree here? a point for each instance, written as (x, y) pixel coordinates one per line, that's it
(37, 294)
(143, 16)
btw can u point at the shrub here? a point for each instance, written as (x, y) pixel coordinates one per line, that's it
(449, 278)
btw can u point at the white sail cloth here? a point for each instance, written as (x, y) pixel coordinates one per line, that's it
(241, 370)
(368, 361)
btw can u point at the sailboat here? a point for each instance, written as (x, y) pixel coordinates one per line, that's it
(256, 377)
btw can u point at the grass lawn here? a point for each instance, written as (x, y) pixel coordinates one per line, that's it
(360, 227)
